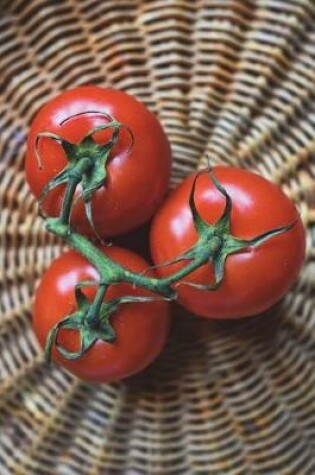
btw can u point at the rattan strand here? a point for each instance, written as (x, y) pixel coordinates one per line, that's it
(229, 79)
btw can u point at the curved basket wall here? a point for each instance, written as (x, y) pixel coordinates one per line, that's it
(231, 78)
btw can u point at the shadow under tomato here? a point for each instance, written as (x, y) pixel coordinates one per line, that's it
(136, 241)
(191, 335)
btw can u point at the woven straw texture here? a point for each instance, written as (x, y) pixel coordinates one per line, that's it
(234, 79)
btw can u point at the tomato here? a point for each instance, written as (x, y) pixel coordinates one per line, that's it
(141, 328)
(138, 172)
(254, 278)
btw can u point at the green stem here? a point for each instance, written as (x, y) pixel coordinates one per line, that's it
(193, 265)
(163, 286)
(110, 271)
(93, 314)
(76, 176)
(68, 199)
(160, 286)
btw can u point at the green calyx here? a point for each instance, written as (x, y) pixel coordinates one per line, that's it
(86, 165)
(215, 241)
(91, 320)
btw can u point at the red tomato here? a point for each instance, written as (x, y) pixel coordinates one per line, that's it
(137, 178)
(141, 328)
(255, 278)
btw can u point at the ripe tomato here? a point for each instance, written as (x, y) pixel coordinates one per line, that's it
(141, 328)
(137, 178)
(255, 278)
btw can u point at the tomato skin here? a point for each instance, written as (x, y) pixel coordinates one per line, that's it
(141, 328)
(137, 179)
(255, 279)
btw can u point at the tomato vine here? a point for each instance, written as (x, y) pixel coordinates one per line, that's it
(87, 162)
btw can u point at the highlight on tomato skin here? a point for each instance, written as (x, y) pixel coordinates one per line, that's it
(141, 328)
(254, 279)
(138, 168)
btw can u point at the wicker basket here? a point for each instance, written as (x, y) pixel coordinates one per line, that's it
(231, 78)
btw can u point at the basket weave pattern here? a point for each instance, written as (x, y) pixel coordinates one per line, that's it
(232, 79)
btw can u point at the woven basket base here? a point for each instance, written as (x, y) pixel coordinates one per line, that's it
(232, 79)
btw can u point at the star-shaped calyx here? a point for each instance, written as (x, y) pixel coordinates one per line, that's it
(80, 321)
(215, 241)
(86, 165)
(91, 320)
